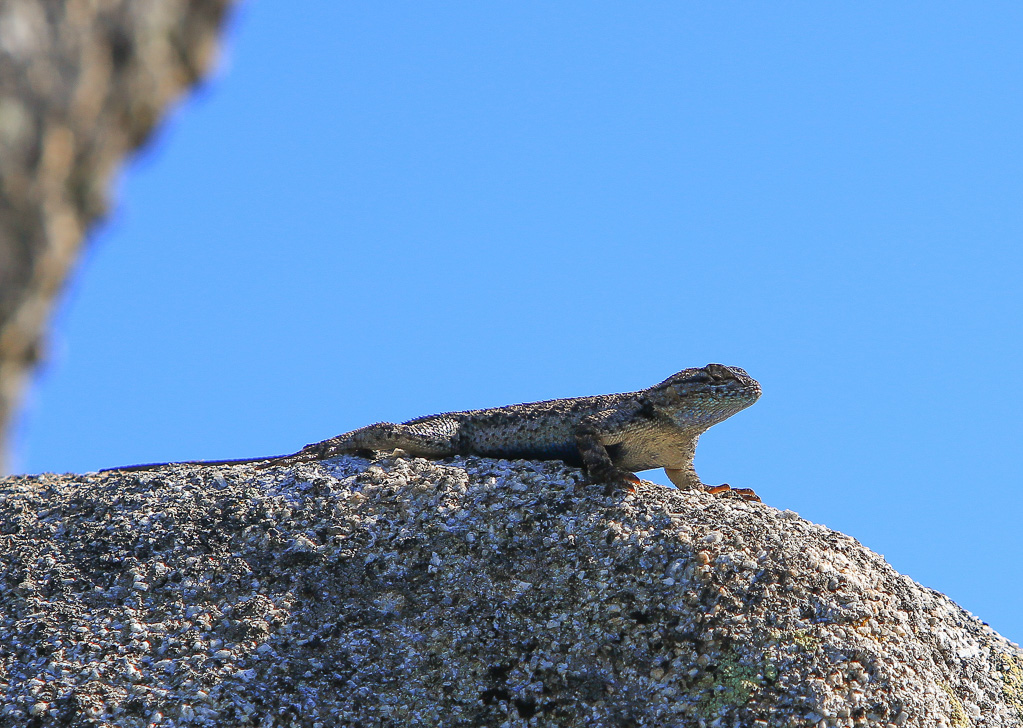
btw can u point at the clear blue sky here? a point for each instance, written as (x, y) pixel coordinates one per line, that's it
(376, 211)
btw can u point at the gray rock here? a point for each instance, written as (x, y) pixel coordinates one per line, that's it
(472, 592)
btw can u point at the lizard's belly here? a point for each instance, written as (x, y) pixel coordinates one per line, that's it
(652, 451)
(521, 439)
(567, 451)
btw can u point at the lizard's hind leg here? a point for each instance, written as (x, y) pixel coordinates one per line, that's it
(598, 463)
(419, 439)
(425, 438)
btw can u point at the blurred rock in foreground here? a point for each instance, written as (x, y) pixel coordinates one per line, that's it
(82, 83)
(468, 593)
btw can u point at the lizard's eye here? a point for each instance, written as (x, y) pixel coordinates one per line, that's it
(718, 372)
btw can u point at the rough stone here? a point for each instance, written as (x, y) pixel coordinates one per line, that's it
(468, 592)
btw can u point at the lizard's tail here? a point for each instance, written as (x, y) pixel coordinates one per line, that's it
(153, 466)
(309, 453)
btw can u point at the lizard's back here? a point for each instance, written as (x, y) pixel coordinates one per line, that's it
(529, 431)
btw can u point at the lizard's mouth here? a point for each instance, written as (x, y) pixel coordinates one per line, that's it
(731, 397)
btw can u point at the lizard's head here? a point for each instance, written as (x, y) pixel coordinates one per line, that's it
(704, 396)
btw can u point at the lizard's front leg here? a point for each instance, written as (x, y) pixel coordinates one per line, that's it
(598, 463)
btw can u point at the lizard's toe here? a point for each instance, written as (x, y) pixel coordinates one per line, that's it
(746, 494)
(620, 480)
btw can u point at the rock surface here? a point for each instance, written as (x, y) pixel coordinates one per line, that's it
(469, 592)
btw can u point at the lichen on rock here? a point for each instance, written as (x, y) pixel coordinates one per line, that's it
(462, 593)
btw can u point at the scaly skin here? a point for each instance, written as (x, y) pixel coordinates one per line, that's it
(610, 435)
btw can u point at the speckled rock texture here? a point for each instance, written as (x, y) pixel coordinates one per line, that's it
(82, 82)
(469, 592)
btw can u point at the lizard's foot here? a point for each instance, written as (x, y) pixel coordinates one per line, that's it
(618, 480)
(746, 494)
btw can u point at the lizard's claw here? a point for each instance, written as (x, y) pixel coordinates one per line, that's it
(746, 494)
(621, 480)
(615, 480)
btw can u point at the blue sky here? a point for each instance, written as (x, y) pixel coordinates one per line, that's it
(375, 211)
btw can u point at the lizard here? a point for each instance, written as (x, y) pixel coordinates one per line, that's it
(610, 435)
